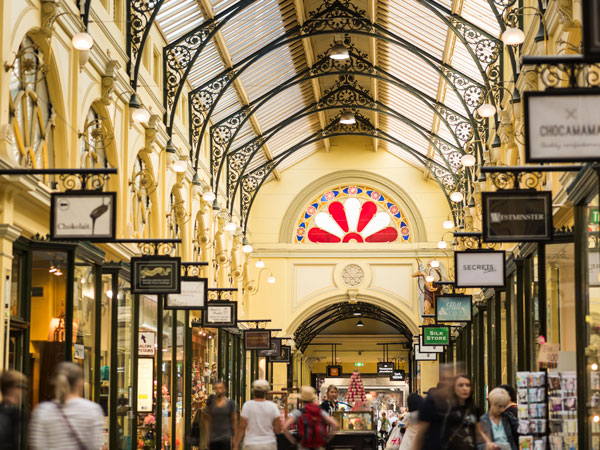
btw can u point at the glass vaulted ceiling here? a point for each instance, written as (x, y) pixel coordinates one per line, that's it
(419, 89)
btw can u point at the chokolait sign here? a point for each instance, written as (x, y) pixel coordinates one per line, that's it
(155, 275)
(83, 215)
(516, 216)
(479, 268)
(562, 125)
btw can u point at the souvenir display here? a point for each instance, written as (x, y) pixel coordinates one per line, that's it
(532, 410)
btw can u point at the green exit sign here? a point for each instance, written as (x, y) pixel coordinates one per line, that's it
(359, 364)
(436, 335)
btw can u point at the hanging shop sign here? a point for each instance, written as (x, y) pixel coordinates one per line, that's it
(398, 375)
(257, 339)
(562, 125)
(273, 351)
(194, 292)
(284, 355)
(517, 216)
(423, 356)
(479, 268)
(146, 342)
(430, 348)
(594, 267)
(435, 335)
(385, 368)
(83, 215)
(145, 384)
(591, 28)
(453, 308)
(334, 371)
(220, 314)
(155, 275)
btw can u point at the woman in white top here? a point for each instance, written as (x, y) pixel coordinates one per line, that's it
(70, 421)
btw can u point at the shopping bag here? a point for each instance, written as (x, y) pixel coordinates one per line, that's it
(394, 439)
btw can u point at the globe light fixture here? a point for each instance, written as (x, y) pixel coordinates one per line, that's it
(271, 279)
(230, 226)
(339, 51)
(429, 279)
(347, 118)
(209, 196)
(456, 196)
(486, 110)
(468, 160)
(448, 224)
(594, 367)
(596, 419)
(260, 264)
(179, 166)
(139, 113)
(434, 263)
(442, 244)
(513, 36)
(246, 247)
(82, 41)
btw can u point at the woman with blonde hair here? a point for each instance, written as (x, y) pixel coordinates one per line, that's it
(69, 421)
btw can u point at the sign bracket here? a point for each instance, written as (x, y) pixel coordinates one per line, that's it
(72, 179)
(507, 178)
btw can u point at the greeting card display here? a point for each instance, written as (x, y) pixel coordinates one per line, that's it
(562, 409)
(532, 410)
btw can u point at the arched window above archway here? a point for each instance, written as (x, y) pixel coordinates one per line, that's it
(352, 213)
(94, 140)
(31, 112)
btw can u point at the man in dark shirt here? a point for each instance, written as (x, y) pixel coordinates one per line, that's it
(13, 386)
(221, 414)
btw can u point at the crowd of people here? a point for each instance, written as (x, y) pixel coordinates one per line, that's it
(446, 418)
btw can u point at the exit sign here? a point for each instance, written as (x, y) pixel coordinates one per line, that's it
(436, 335)
(359, 364)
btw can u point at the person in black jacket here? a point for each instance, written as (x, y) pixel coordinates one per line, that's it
(13, 386)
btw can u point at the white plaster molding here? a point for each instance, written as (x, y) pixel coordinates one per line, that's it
(9, 232)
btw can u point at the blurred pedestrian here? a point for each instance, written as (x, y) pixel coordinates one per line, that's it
(222, 419)
(259, 421)
(384, 427)
(512, 405)
(496, 424)
(69, 421)
(13, 386)
(330, 404)
(313, 424)
(411, 420)
(449, 418)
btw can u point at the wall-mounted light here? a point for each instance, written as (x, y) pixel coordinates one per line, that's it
(209, 196)
(246, 247)
(179, 166)
(82, 41)
(434, 263)
(456, 196)
(442, 244)
(260, 264)
(139, 114)
(513, 36)
(271, 279)
(468, 160)
(448, 224)
(230, 226)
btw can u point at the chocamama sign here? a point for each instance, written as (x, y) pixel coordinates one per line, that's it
(562, 125)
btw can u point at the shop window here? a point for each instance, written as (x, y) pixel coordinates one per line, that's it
(560, 295)
(352, 213)
(16, 285)
(203, 365)
(124, 384)
(94, 140)
(31, 112)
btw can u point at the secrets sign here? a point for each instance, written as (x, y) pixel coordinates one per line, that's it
(516, 216)
(562, 124)
(479, 268)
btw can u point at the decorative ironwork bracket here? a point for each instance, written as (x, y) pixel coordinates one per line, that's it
(523, 177)
(72, 179)
(221, 294)
(152, 247)
(554, 71)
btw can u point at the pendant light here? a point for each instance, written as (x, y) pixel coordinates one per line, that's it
(347, 118)
(513, 36)
(360, 323)
(139, 114)
(339, 51)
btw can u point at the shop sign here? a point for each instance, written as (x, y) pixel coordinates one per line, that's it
(549, 353)
(436, 335)
(273, 351)
(398, 375)
(194, 292)
(155, 275)
(423, 356)
(334, 371)
(453, 308)
(430, 348)
(83, 215)
(517, 216)
(385, 368)
(591, 27)
(146, 341)
(285, 355)
(562, 125)
(479, 268)
(594, 268)
(220, 314)
(257, 340)
(145, 385)
(78, 351)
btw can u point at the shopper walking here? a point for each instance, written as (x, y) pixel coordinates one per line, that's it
(259, 421)
(330, 404)
(411, 421)
(221, 417)
(69, 422)
(13, 386)
(314, 425)
(384, 426)
(449, 418)
(496, 424)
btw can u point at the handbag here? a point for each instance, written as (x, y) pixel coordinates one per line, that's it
(70, 427)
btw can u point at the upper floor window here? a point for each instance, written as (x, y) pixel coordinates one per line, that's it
(31, 112)
(352, 213)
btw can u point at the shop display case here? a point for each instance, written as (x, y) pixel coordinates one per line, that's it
(355, 420)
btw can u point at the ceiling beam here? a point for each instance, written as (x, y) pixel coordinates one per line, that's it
(372, 15)
(221, 46)
(310, 60)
